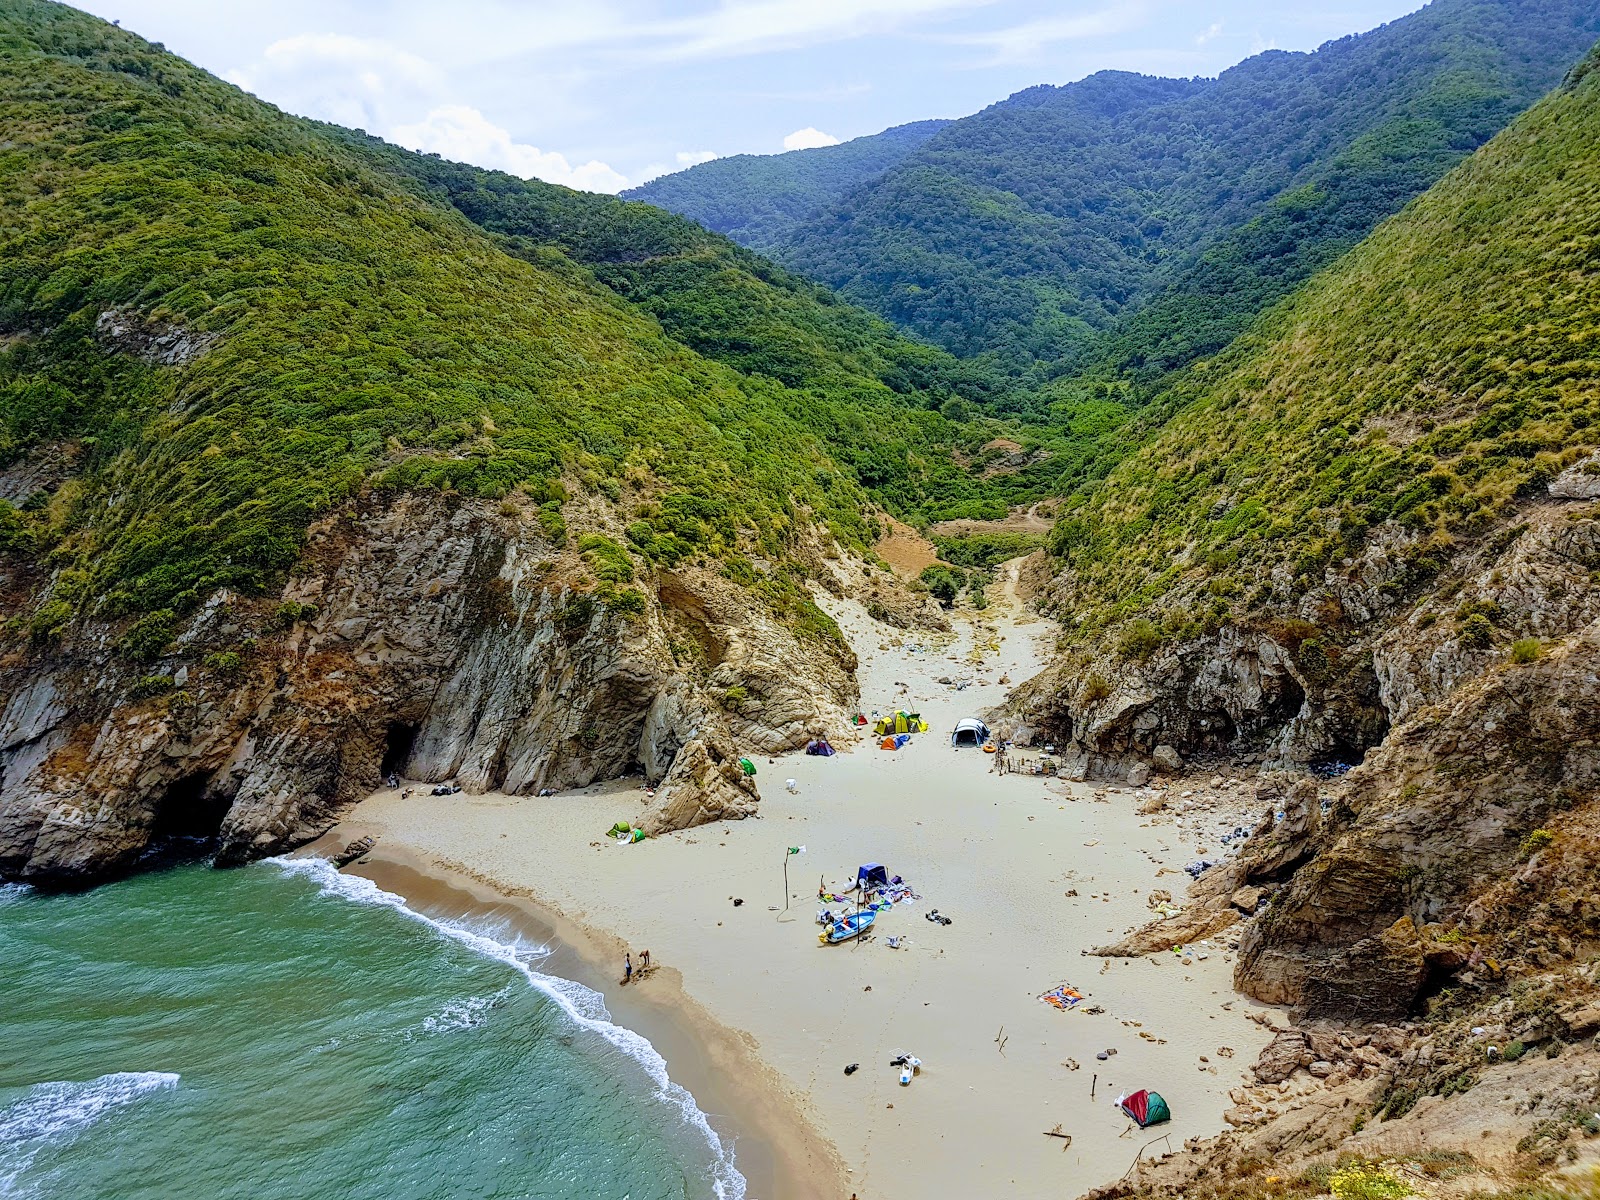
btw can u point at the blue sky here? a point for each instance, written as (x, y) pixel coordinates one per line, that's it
(604, 94)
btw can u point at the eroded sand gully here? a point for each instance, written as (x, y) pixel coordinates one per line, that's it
(1001, 855)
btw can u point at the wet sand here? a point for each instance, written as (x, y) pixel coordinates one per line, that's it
(1032, 871)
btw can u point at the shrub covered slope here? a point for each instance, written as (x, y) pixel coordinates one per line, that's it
(219, 321)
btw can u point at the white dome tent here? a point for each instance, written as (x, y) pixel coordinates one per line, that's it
(969, 731)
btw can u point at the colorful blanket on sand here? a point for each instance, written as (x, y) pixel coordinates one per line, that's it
(1063, 997)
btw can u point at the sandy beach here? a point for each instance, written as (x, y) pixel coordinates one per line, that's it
(1032, 871)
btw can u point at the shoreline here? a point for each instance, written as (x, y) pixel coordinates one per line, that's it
(775, 1148)
(1034, 870)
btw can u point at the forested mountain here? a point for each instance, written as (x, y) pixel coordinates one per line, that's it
(760, 199)
(1147, 220)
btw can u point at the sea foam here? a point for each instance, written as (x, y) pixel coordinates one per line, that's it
(584, 1006)
(56, 1112)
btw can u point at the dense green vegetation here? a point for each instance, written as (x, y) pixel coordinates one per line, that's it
(1432, 377)
(1137, 223)
(759, 199)
(359, 332)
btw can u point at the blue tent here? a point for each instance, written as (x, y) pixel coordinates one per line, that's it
(871, 875)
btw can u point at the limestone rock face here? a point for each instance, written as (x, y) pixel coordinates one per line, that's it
(424, 635)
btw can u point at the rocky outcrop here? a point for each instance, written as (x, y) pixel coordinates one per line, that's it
(432, 636)
(1472, 820)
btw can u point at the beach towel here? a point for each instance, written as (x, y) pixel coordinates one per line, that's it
(1063, 997)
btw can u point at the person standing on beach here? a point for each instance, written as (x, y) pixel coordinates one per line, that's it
(627, 968)
(645, 959)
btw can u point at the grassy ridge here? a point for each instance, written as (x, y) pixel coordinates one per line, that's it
(1441, 370)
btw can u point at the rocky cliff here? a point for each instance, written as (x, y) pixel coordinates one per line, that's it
(1469, 718)
(433, 636)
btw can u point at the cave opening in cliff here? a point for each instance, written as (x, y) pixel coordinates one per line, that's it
(189, 810)
(398, 741)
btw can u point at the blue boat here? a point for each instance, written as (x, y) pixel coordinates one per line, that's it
(848, 926)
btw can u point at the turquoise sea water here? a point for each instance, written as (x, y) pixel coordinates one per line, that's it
(284, 1032)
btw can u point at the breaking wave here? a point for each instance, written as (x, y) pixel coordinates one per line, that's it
(53, 1113)
(584, 1006)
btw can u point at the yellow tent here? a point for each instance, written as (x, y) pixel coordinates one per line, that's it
(901, 722)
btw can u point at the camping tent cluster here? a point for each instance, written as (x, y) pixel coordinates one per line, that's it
(900, 722)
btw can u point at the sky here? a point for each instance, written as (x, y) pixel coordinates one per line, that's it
(605, 94)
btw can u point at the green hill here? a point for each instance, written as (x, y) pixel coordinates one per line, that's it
(348, 315)
(759, 199)
(1034, 231)
(1427, 383)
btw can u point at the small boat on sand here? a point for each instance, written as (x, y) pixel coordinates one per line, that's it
(848, 926)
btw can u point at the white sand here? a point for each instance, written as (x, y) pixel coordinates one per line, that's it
(995, 853)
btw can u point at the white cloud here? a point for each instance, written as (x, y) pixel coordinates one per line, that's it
(809, 139)
(693, 158)
(462, 133)
(1213, 31)
(739, 27)
(362, 82)
(1028, 41)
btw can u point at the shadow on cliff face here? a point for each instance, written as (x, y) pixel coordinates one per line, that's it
(399, 738)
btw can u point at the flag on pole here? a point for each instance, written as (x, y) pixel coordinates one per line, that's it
(797, 849)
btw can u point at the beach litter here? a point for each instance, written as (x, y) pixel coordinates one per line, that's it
(909, 1065)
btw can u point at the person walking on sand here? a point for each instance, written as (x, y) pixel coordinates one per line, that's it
(627, 968)
(645, 959)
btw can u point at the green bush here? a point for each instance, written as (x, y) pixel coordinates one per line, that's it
(628, 603)
(225, 662)
(1140, 640)
(147, 637)
(150, 685)
(609, 561)
(292, 612)
(943, 583)
(1526, 650)
(1095, 688)
(1534, 842)
(1476, 632)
